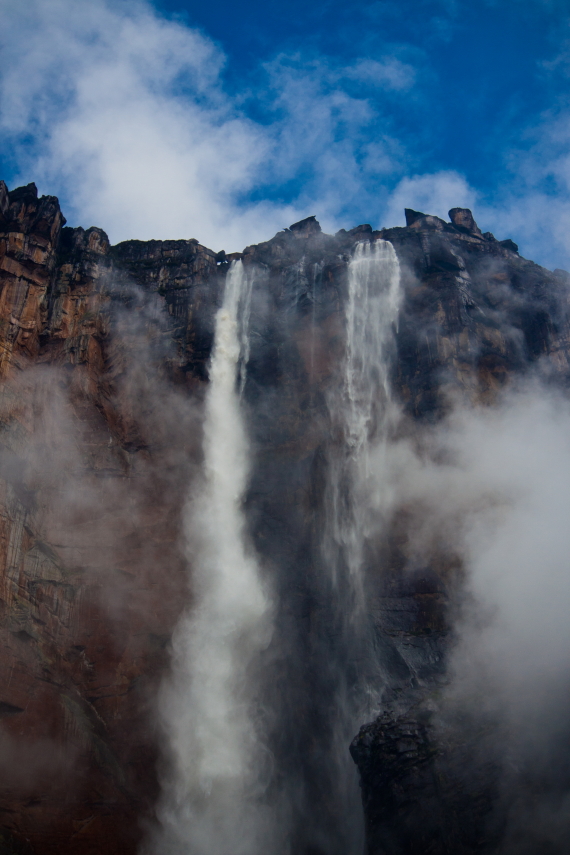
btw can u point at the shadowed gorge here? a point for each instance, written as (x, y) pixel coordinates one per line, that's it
(282, 542)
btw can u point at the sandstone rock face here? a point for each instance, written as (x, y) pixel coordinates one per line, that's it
(462, 219)
(92, 490)
(103, 363)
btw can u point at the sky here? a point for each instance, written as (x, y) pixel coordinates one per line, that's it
(227, 122)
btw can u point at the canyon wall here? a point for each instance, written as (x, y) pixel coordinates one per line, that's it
(104, 355)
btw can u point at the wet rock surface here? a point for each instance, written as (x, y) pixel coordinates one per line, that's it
(103, 362)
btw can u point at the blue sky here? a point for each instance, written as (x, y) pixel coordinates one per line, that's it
(479, 68)
(226, 122)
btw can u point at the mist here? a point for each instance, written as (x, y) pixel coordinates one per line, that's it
(97, 451)
(488, 488)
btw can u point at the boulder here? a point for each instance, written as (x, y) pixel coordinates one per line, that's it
(462, 219)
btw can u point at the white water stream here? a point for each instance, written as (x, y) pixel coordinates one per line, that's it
(363, 412)
(212, 802)
(372, 312)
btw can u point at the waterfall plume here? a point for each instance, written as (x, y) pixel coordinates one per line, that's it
(362, 412)
(362, 407)
(212, 798)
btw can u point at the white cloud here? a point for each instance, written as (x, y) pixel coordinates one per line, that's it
(130, 122)
(390, 72)
(536, 218)
(433, 194)
(491, 484)
(535, 207)
(322, 133)
(124, 114)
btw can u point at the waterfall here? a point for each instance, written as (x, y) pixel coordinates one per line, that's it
(372, 313)
(212, 802)
(362, 412)
(362, 409)
(216, 794)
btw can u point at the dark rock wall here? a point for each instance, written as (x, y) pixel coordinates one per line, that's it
(103, 364)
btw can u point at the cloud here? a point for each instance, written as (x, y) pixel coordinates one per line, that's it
(489, 486)
(531, 203)
(390, 72)
(433, 193)
(129, 120)
(513, 657)
(517, 548)
(332, 139)
(128, 117)
(125, 115)
(534, 205)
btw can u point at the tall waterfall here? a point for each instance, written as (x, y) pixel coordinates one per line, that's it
(231, 789)
(362, 414)
(362, 410)
(372, 312)
(212, 801)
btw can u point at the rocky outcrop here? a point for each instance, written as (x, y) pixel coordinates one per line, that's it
(103, 362)
(30, 232)
(91, 494)
(428, 790)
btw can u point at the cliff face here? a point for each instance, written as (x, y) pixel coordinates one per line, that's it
(93, 486)
(103, 365)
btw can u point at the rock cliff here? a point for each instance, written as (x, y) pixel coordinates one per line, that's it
(103, 365)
